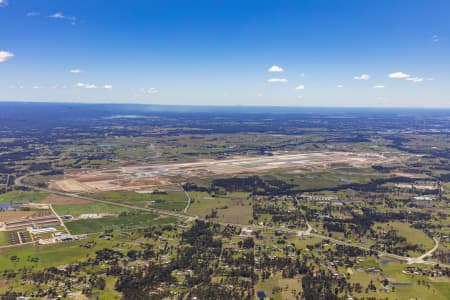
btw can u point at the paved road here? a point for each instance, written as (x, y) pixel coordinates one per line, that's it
(184, 216)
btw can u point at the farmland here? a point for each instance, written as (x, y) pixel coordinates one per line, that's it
(123, 222)
(227, 206)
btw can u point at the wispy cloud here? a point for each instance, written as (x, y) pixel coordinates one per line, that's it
(152, 91)
(362, 77)
(85, 85)
(415, 79)
(17, 86)
(3, 3)
(5, 55)
(272, 80)
(300, 87)
(436, 38)
(275, 69)
(33, 14)
(75, 71)
(339, 86)
(108, 87)
(378, 86)
(61, 16)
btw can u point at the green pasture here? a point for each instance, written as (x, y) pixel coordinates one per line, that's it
(121, 222)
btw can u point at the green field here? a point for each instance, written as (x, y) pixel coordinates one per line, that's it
(123, 222)
(91, 208)
(175, 201)
(22, 197)
(4, 238)
(323, 180)
(412, 235)
(232, 207)
(50, 255)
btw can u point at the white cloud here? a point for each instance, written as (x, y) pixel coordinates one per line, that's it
(60, 16)
(5, 55)
(399, 75)
(107, 87)
(271, 80)
(415, 79)
(299, 97)
(3, 3)
(339, 86)
(85, 85)
(57, 15)
(75, 71)
(259, 95)
(378, 86)
(408, 77)
(362, 77)
(152, 91)
(300, 87)
(276, 69)
(33, 14)
(36, 87)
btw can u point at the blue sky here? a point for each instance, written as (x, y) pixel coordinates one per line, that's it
(293, 53)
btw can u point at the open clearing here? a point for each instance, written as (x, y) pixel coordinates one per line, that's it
(61, 200)
(91, 208)
(6, 216)
(139, 177)
(22, 197)
(233, 207)
(175, 201)
(121, 222)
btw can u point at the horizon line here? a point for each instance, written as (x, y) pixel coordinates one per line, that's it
(224, 106)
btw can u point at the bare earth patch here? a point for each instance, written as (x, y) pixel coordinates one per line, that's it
(7, 216)
(58, 200)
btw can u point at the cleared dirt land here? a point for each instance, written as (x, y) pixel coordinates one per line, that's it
(61, 200)
(147, 176)
(7, 216)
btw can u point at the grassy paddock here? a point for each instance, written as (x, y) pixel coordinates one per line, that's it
(175, 201)
(126, 222)
(232, 207)
(92, 208)
(412, 235)
(22, 197)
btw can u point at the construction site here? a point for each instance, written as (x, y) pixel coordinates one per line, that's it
(145, 176)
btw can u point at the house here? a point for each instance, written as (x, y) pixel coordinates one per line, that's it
(246, 232)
